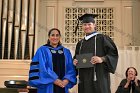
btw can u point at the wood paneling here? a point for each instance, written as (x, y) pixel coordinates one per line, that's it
(13, 70)
(89, 0)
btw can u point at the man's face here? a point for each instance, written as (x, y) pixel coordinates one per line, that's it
(88, 27)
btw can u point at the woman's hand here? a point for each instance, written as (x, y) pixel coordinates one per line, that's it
(65, 82)
(127, 83)
(59, 83)
(136, 81)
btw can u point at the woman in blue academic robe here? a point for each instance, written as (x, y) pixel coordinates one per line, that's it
(51, 69)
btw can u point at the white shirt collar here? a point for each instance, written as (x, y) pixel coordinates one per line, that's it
(91, 35)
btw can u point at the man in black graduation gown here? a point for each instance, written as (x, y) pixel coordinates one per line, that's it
(95, 79)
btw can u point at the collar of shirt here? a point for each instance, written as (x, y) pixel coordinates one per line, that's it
(91, 35)
(56, 48)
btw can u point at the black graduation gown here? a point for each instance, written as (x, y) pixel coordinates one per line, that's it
(105, 47)
(121, 89)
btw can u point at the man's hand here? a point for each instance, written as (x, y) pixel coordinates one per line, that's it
(96, 59)
(75, 62)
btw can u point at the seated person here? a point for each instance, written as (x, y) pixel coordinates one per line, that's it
(131, 84)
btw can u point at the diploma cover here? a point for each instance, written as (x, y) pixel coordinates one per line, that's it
(84, 60)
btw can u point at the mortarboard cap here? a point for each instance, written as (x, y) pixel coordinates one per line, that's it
(86, 18)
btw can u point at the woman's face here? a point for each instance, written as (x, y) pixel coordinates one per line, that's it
(131, 73)
(54, 38)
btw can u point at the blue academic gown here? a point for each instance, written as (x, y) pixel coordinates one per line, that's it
(41, 74)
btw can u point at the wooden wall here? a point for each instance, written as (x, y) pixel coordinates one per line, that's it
(13, 70)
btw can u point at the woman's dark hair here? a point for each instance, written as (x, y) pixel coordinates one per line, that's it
(132, 68)
(49, 33)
